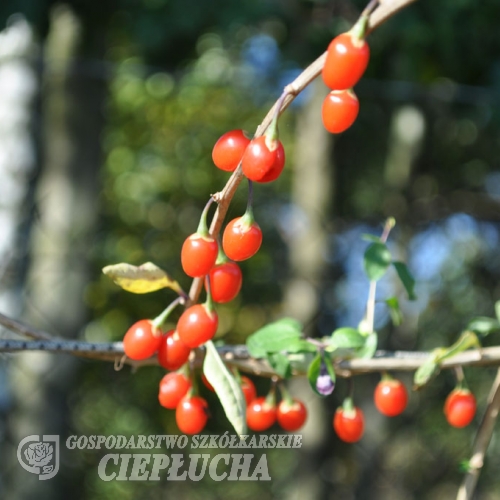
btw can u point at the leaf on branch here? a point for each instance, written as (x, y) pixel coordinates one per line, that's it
(377, 259)
(429, 369)
(300, 345)
(280, 364)
(371, 238)
(394, 311)
(406, 278)
(145, 278)
(483, 326)
(313, 372)
(274, 337)
(367, 351)
(467, 340)
(346, 338)
(497, 309)
(226, 387)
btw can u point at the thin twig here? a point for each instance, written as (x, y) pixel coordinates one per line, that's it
(372, 292)
(22, 329)
(481, 442)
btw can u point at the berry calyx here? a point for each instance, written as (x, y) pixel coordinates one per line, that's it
(261, 414)
(242, 237)
(460, 407)
(248, 388)
(349, 422)
(173, 353)
(225, 282)
(229, 149)
(197, 324)
(191, 414)
(346, 60)
(292, 415)
(390, 397)
(142, 340)
(173, 387)
(339, 111)
(263, 160)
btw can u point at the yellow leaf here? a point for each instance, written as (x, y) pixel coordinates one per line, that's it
(146, 278)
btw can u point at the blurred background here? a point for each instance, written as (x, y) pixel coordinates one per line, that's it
(108, 114)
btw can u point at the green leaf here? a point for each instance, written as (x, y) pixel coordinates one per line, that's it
(280, 364)
(497, 309)
(291, 322)
(347, 338)
(430, 367)
(406, 279)
(313, 373)
(483, 326)
(425, 372)
(226, 387)
(274, 337)
(394, 311)
(329, 368)
(376, 260)
(300, 345)
(371, 237)
(367, 351)
(466, 341)
(146, 278)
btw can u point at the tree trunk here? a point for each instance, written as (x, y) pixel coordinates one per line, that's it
(66, 197)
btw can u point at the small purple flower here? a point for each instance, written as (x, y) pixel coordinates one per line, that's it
(325, 385)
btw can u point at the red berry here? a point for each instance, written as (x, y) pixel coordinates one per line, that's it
(198, 255)
(229, 149)
(197, 325)
(460, 407)
(391, 397)
(346, 61)
(173, 387)
(260, 414)
(349, 424)
(225, 282)
(241, 241)
(172, 353)
(142, 340)
(248, 388)
(263, 160)
(291, 417)
(191, 415)
(339, 111)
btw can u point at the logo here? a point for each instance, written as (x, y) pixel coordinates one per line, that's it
(39, 456)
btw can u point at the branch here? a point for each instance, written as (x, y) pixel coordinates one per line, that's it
(24, 330)
(386, 9)
(237, 355)
(481, 442)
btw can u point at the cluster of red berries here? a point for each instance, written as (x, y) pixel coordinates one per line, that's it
(391, 398)
(262, 413)
(346, 60)
(191, 411)
(262, 158)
